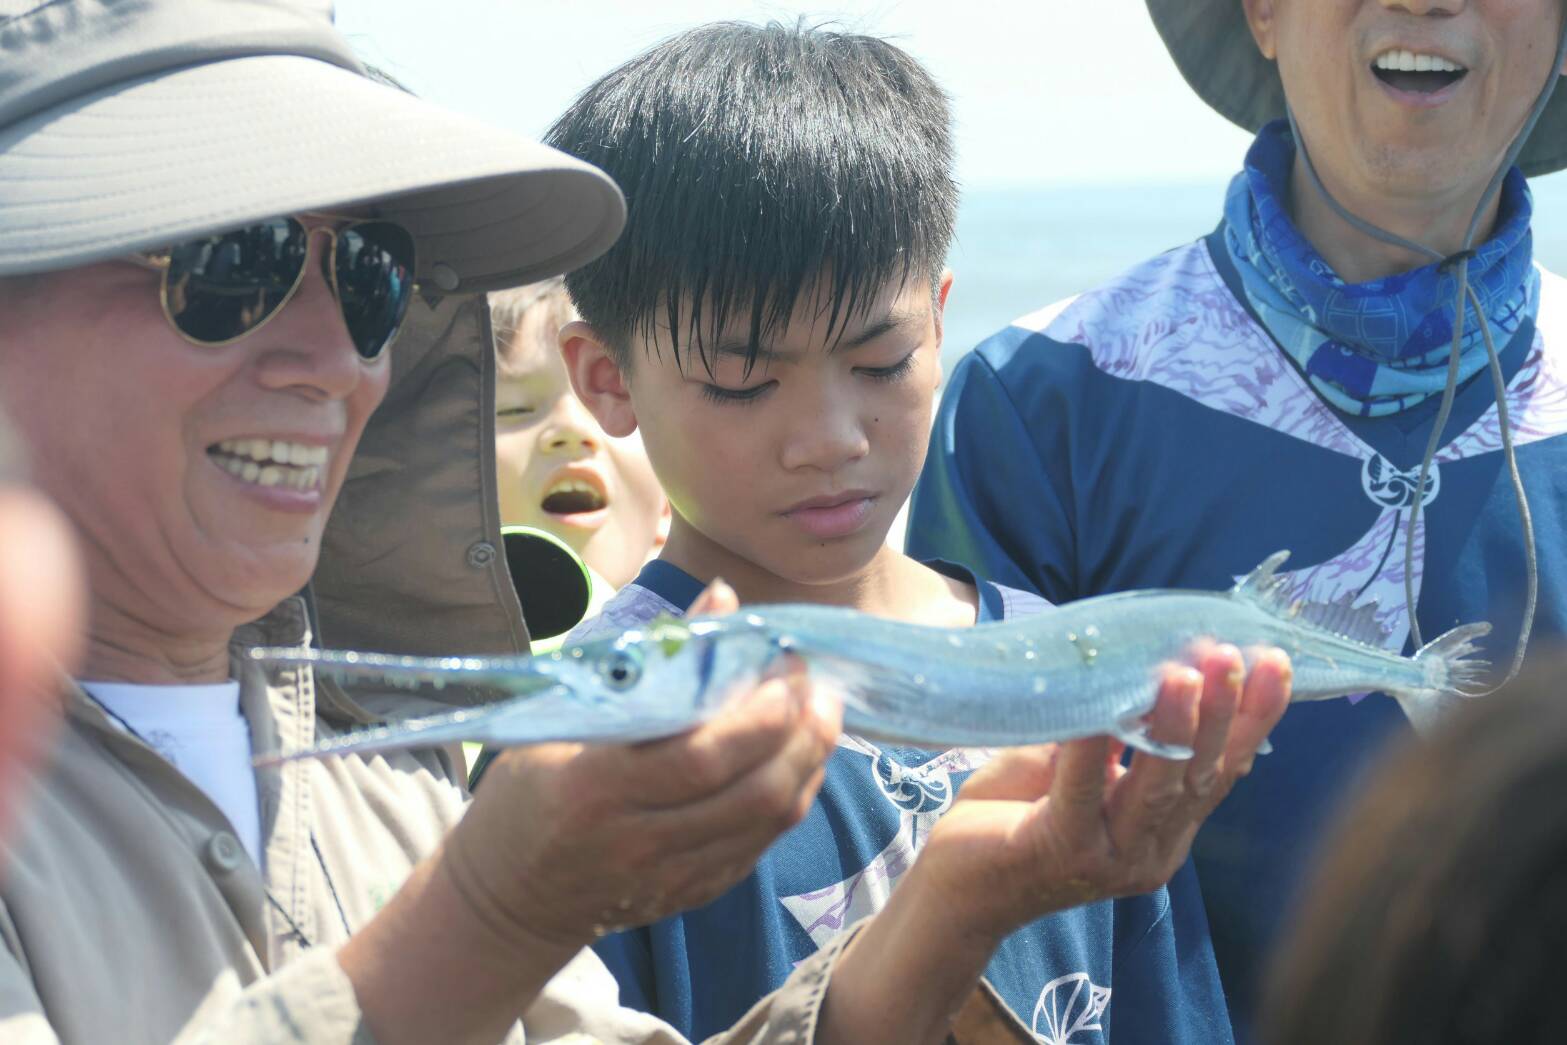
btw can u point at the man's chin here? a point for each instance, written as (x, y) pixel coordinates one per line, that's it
(1424, 165)
(258, 575)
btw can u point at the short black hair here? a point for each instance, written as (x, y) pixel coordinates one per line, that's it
(758, 162)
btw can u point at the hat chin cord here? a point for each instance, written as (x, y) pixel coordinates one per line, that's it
(1459, 264)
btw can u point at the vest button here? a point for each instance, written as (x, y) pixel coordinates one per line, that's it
(224, 854)
(444, 276)
(481, 554)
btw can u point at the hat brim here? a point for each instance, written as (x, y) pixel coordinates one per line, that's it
(1214, 50)
(197, 150)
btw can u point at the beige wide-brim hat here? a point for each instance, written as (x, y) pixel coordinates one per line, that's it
(134, 124)
(1214, 49)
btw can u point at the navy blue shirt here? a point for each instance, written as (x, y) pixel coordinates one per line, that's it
(1141, 966)
(1150, 434)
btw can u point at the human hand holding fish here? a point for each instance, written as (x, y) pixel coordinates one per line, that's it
(566, 841)
(610, 836)
(1054, 829)
(1044, 828)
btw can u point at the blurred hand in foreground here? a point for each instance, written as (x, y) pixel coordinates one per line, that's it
(42, 599)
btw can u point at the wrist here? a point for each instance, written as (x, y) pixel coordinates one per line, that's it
(432, 966)
(517, 918)
(910, 970)
(959, 914)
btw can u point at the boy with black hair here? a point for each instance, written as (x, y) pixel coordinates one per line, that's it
(771, 320)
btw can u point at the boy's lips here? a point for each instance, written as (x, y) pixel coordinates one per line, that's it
(832, 515)
(576, 496)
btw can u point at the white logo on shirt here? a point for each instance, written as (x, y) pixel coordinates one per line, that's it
(1070, 1006)
(920, 794)
(1391, 487)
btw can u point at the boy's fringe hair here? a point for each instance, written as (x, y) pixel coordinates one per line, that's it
(761, 164)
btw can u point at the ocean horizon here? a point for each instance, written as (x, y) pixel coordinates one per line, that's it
(1019, 249)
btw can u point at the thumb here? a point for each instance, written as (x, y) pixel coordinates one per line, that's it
(717, 599)
(1020, 774)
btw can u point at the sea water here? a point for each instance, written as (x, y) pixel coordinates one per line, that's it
(1018, 250)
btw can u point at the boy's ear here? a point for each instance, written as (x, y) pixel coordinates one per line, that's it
(942, 290)
(597, 378)
(939, 314)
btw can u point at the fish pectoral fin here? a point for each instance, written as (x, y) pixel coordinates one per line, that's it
(1133, 732)
(1266, 747)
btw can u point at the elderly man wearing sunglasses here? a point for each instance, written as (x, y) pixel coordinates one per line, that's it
(212, 227)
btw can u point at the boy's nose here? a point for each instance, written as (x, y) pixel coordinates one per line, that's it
(826, 442)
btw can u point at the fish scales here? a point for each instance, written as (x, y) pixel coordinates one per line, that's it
(1093, 663)
(1087, 668)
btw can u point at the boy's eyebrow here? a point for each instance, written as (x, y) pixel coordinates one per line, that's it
(887, 324)
(742, 350)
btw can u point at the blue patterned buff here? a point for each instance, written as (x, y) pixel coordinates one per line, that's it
(1374, 348)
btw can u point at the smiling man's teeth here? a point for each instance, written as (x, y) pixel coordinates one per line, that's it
(1401, 61)
(272, 462)
(307, 478)
(275, 451)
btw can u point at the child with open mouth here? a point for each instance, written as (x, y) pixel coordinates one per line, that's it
(557, 469)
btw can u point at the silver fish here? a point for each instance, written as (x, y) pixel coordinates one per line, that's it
(1088, 668)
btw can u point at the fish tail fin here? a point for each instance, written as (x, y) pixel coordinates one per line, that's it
(1452, 674)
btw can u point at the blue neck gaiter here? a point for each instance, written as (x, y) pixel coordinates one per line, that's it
(1375, 348)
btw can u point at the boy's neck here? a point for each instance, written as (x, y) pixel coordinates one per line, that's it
(890, 585)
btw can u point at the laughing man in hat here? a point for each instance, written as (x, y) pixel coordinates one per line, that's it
(1280, 383)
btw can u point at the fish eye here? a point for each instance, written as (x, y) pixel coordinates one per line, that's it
(621, 669)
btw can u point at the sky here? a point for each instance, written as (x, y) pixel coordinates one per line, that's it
(1045, 92)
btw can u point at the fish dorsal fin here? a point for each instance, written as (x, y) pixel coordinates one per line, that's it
(1346, 620)
(1265, 589)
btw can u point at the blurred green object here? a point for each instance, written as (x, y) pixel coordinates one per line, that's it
(557, 589)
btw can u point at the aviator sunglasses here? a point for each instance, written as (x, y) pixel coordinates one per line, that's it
(219, 288)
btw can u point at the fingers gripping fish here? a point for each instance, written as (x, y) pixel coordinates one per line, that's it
(1088, 668)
